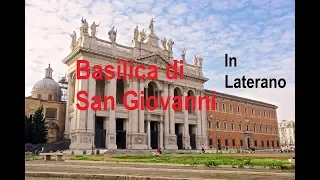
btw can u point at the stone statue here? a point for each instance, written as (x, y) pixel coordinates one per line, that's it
(94, 29)
(142, 35)
(164, 42)
(74, 40)
(170, 44)
(136, 34)
(112, 35)
(183, 54)
(84, 27)
(195, 60)
(151, 26)
(200, 59)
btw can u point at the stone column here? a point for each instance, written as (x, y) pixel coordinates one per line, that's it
(149, 134)
(141, 112)
(171, 138)
(166, 112)
(82, 136)
(67, 122)
(204, 129)
(141, 136)
(186, 136)
(134, 114)
(172, 119)
(203, 117)
(161, 133)
(111, 134)
(199, 120)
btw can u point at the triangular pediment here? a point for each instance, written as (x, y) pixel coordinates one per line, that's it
(155, 58)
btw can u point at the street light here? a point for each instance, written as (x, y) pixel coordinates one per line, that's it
(93, 131)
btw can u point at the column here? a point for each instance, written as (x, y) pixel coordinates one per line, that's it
(172, 122)
(203, 117)
(111, 134)
(134, 114)
(166, 112)
(186, 136)
(149, 134)
(67, 122)
(161, 133)
(81, 116)
(141, 112)
(185, 112)
(199, 121)
(91, 93)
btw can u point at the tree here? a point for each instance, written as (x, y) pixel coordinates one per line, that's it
(28, 129)
(35, 129)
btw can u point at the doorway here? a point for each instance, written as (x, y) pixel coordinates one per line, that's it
(154, 133)
(179, 135)
(100, 133)
(248, 142)
(192, 136)
(121, 134)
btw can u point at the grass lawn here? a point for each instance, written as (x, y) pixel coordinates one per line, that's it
(31, 156)
(236, 160)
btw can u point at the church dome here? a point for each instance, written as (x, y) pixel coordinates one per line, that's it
(47, 88)
(46, 84)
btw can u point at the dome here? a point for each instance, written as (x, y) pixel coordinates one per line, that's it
(46, 84)
(47, 88)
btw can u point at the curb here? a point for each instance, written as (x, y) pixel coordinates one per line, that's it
(180, 165)
(101, 176)
(32, 159)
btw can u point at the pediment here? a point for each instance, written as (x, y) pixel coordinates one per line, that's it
(155, 58)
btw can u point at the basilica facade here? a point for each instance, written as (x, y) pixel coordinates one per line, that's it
(120, 128)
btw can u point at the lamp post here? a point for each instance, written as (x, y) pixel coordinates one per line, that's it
(93, 131)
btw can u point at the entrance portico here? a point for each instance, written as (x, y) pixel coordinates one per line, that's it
(141, 128)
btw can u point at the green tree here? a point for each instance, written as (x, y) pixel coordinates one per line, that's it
(39, 130)
(28, 129)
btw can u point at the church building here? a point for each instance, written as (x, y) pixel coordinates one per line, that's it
(120, 128)
(47, 92)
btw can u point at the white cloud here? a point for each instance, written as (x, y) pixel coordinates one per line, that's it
(259, 33)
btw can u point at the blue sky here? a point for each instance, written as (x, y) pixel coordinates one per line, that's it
(260, 33)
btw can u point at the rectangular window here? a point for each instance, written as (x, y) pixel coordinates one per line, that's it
(240, 127)
(233, 142)
(209, 124)
(232, 126)
(267, 143)
(262, 143)
(272, 143)
(226, 142)
(241, 143)
(225, 125)
(32, 106)
(255, 143)
(51, 113)
(210, 142)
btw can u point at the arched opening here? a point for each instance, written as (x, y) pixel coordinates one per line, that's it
(177, 92)
(73, 89)
(152, 91)
(120, 91)
(100, 89)
(191, 101)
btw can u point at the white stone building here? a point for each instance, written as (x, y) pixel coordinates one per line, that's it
(136, 129)
(287, 133)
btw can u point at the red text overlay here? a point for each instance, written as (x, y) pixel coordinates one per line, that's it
(131, 99)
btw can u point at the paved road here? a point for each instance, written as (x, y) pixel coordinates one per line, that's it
(156, 171)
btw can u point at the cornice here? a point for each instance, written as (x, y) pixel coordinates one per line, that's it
(78, 50)
(240, 99)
